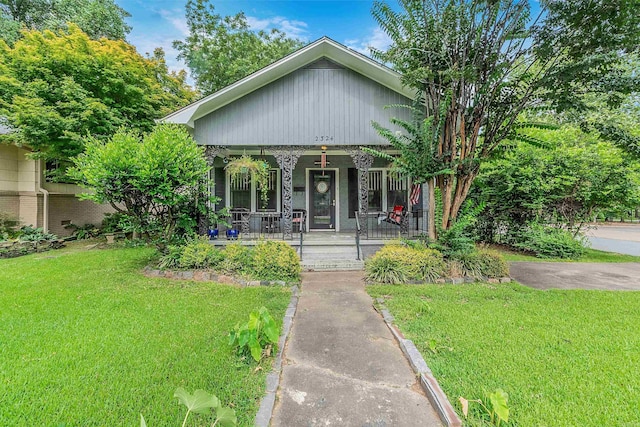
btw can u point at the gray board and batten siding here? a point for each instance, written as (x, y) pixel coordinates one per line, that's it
(320, 104)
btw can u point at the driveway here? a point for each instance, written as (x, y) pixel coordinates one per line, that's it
(620, 238)
(578, 275)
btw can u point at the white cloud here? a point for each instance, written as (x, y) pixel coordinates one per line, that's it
(377, 39)
(292, 28)
(176, 18)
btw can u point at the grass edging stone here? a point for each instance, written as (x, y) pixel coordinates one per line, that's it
(265, 412)
(427, 381)
(211, 276)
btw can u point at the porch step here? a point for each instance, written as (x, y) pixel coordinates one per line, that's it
(330, 258)
(332, 265)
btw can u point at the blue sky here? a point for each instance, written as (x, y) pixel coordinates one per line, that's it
(158, 23)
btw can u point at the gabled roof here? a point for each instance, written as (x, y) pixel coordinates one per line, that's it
(324, 47)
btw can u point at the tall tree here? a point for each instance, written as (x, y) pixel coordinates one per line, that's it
(221, 50)
(97, 18)
(479, 63)
(59, 88)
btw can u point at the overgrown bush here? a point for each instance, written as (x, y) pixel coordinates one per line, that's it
(482, 263)
(199, 253)
(399, 263)
(550, 242)
(273, 260)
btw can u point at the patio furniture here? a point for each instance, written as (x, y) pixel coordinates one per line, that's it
(299, 220)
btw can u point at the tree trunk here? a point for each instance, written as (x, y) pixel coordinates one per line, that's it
(431, 226)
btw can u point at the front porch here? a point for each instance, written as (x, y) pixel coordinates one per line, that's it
(316, 190)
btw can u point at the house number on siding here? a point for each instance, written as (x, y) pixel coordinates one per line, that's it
(324, 138)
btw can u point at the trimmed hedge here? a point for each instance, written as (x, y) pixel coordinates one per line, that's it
(268, 260)
(399, 262)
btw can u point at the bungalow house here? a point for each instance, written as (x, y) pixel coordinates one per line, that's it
(308, 116)
(24, 194)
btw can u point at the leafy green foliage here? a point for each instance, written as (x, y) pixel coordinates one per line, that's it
(417, 261)
(483, 263)
(238, 259)
(202, 402)
(8, 226)
(97, 18)
(495, 407)
(29, 233)
(257, 336)
(58, 88)
(546, 241)
(568, 183)
(396, 263)
(247, 169)
(476, 65)
(269, 260)
(222, 50)
(116, 222)
(199, 253)
(82, 232)
(275, 260)
(156, 180)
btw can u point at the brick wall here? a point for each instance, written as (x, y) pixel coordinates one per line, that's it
(63, 207)
(10, 203)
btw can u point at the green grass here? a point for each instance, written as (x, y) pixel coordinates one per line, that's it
(590, 255)
(86, 340)
(566, 358)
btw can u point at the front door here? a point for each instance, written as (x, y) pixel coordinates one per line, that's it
(322, 199)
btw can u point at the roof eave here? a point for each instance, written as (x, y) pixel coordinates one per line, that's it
(324, 47)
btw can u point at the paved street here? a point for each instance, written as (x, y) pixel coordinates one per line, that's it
(623, 238)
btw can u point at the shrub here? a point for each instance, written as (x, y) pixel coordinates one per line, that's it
(237, 258)
(28, 233)
(199, 253)
(482, 263)
(396, 263)
(8, 226)
(550, 242)
(384, 269)
(274, 260)
(171, 259)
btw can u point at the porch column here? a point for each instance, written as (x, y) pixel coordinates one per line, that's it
(210, 153)
(363, 161)
(287, 157)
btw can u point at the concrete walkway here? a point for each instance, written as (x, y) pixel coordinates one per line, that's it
(342, 366)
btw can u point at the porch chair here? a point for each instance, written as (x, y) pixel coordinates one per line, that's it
(300, 220)
(397, 216)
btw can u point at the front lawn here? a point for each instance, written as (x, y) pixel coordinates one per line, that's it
(566, 358)
(86, 340)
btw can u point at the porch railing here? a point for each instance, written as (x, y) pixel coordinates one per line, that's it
(377, 226)
(261, 225)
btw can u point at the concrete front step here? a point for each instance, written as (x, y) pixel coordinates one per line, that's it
(332, 265)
